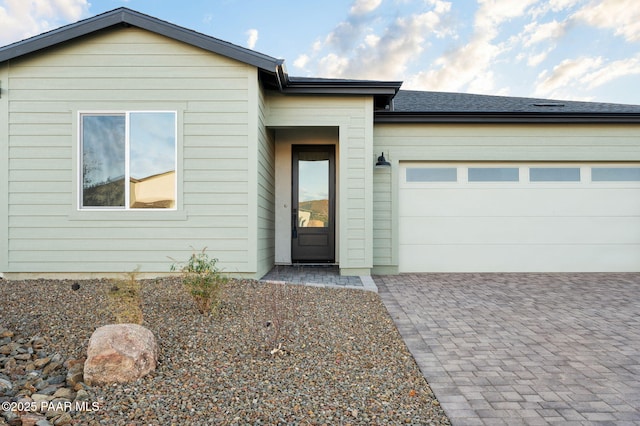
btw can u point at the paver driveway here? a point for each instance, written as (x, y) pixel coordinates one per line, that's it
(524, 348)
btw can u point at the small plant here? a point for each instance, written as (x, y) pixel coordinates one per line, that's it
(202, 279)
(274, 317)
(124, 299)
(283, 303)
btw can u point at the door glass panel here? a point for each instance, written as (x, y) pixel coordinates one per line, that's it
(313, 190)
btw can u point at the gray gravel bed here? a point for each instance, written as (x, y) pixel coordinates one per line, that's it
(273, 354)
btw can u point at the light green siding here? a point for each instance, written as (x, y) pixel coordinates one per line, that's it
(266, 193)
(353, 116)
(4, 168)
(482, 142)
(128, 69)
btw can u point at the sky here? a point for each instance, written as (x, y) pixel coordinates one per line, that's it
(556, 49)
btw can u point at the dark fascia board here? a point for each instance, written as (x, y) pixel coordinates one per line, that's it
(297, 86)
(505, 117)
(130, 17)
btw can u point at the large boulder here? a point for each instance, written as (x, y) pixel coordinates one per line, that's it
(120, 353)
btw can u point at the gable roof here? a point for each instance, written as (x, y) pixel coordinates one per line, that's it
(272, 72)
(445, 107)
(125, 16)
(391, 104)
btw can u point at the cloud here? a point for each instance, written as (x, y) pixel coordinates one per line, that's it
(466, 66)
(553, 6)
(622, 16)
(354, 50)
(252, 38)
(535, 33)
(493, 13)
(566, 74)
(361, 7)
(613, 71)
(301, 61)
(573, 77)
(20, 19)
(470, 64)
(536, 59)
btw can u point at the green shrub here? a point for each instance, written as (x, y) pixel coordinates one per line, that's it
(203, 280)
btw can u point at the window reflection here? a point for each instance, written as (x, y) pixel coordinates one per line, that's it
(151, 148)
(152, 160)
(313, 190)
(103, 160)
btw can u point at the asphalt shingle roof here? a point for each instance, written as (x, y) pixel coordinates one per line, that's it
(412, 101)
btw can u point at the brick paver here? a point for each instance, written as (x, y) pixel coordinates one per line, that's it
(524, 348)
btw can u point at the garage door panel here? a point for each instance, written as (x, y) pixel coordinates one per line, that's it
(520, 230)
(519, 226)
(521, 201)
(518, 258)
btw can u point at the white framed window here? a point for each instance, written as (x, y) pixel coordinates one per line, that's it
(128, 160)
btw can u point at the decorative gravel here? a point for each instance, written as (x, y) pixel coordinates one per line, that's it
(273, 354)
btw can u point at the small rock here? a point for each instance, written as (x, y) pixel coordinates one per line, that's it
(75, 286)
(75, 374)
(10, 365)
(82, 395)
(12, 418)
(43, 423)
(57, 358)
(64, 419)
(5, 385)
(52, 366)
(65, 393)
(40, 397)
(23, 357)
(38, 343)
(31, 419)
(41, 362)
(56, 380)
(40, 384)
(5, 333)
(79, 386)
(49, 390)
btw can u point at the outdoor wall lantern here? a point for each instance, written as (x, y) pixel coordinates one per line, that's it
(382, 162)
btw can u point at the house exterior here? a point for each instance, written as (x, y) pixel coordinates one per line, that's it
(127, 141)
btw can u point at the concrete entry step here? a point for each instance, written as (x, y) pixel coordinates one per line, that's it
(318, 275)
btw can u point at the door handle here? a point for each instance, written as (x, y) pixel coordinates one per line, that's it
(294, 219)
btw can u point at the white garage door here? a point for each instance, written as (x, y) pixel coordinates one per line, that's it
(480, 217)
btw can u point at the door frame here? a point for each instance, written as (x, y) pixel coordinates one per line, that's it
(331, 150)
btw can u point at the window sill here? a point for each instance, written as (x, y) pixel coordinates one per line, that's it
(128, 215)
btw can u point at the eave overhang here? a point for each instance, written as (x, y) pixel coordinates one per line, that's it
(382, 91)
(347, 87)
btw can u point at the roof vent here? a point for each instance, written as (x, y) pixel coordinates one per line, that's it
(549, 104)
